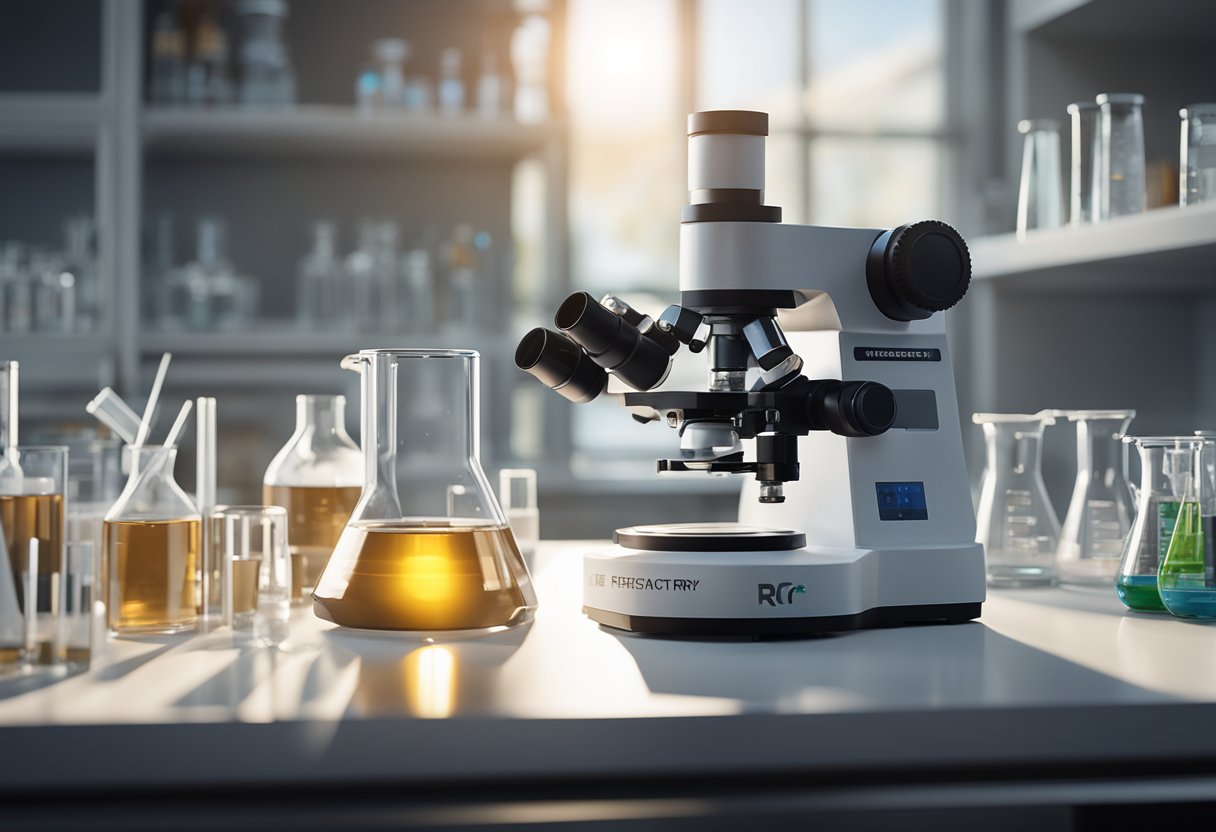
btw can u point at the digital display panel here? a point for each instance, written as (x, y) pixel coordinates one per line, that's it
(901, 501)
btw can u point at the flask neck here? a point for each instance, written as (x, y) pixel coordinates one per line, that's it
(321, 416)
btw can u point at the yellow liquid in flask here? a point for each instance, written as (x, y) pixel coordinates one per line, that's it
(425, 577)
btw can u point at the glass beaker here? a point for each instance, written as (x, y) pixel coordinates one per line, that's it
(1083, 184)
(252, 544)
(1197, 165)
(1186, 578)
(1040, 200)
(1015, 520)
(411, 558)
(1121, 182)
(152, 548)
(32, 511)
(1164, 462)
(317, 477)
(1100, 511)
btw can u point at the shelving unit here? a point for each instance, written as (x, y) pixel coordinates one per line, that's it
(49, 123)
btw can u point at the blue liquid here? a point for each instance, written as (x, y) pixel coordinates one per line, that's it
(1190, 603)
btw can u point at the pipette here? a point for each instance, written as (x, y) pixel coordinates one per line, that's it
(204, 433)
(178, 424)
(10, 471)
(109, 409)
(145, 424)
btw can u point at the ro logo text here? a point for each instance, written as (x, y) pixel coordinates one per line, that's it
(780, 594)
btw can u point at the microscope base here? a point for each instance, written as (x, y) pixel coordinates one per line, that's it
(773, 593)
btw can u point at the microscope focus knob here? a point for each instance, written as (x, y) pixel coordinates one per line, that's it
(918, 269)
(851, 408)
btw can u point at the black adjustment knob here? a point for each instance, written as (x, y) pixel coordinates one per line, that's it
(859, 408)
(918, 269)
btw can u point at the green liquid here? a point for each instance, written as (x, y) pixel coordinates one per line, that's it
(1139, 592)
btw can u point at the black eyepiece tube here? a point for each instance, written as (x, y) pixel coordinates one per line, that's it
(561, 365)
(613, 342)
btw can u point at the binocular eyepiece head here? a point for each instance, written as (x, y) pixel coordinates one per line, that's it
(593, 339)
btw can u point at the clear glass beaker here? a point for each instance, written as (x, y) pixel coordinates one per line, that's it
(1186, 578)
(1083, 184)
(317, 477)
(251, 543)
(152, 548)
(411, 556)
(32, 511)
(1197, 165)
(1015, 520)
(1121, 182)
(1040, 198)
(1164, 470)
(1100, 511)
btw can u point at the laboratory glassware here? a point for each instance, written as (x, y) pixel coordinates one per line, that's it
(391, 55)
(1197, 165)
(418, 289)
(1015, 520)
(251, 543)
(530, 60)
(82, 616)
(1121, 179)
(205, 460)
(317, 478)
(361, 305)
(267, 79)
(168, 65)
(517, 493)
(1083, 183)
(152, 546)
(207, 81)
(1040, 199)
(32, 511)
(451, 86)
(411, 557)
(491, 87)
(10, 390)
(385, 267)
(318, 289)
(1164, 470)
(1100, 512)
(207, 293)
(1186, 578)
(462, 278)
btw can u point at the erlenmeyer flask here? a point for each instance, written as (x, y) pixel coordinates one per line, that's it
(1100, 512)
(1015, 520)
(1164, 472)
(1186, 578)
(427, 547)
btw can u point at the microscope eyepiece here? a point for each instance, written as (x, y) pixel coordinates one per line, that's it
(613, 342)
(561, 365)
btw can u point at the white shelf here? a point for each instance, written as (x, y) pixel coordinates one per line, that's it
(1168, 248)
(1127, 21)
(285, 340)
(49, 122)
(313, 130)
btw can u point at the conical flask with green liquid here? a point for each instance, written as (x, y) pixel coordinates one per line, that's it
(1186, 578)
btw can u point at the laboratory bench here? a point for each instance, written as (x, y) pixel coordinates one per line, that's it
(1055, 699)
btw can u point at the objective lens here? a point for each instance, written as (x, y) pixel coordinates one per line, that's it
(612, 342)
(561, 365)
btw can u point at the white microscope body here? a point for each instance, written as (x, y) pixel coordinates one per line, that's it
(862, 486)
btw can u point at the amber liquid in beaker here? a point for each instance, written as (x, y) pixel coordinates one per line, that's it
(316, 516)
(245, 585)
(432, 577)
(153, 574)
(23, 519)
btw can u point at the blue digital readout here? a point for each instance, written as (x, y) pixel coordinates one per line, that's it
(901, 501)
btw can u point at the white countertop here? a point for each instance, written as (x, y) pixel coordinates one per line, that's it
(1049, 676)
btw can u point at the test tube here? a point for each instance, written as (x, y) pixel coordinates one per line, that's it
(210, 582)
(8, 405)
(109, 409)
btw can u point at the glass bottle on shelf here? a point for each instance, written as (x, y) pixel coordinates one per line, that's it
(451, 86)
(1100, 511)
(1040, 200)
(490, 87)
(317, 477)
(391, 55)
(1164, 462)
(1186, 578)
(1122, 187)
(151, 553)
(168, 66)
(1015, 520)
(1083, 183)
(1197, 167)
(427, 548)
(317, 280)
(530, 60)
(267, 79)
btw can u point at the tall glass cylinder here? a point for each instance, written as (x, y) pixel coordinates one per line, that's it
(317, 477)
(1015, 520)
(1121, 179)
(1083, 183)
(1100, 512)
(1197, 165)
(1040, 197)
(428, 547)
